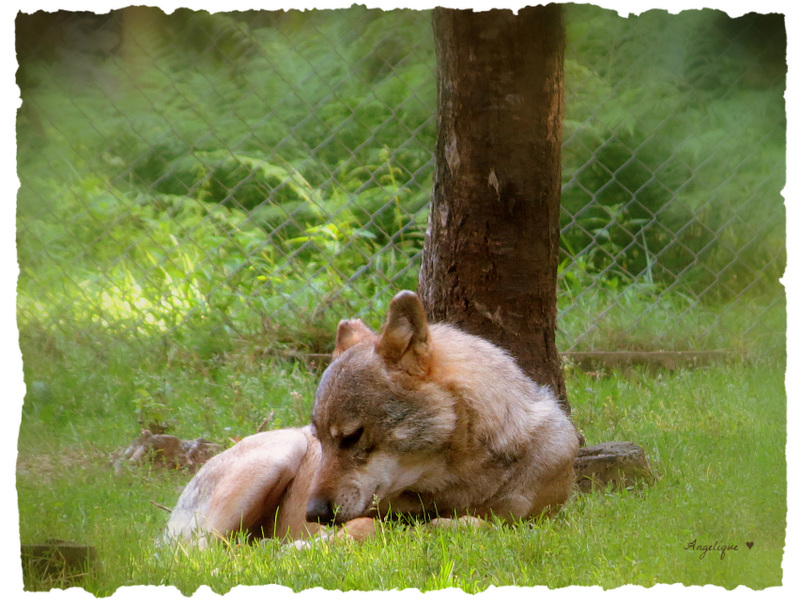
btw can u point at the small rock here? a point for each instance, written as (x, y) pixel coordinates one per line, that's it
(610, 463)
(301, 544)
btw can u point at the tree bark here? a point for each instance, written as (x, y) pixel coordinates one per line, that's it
(491, 250)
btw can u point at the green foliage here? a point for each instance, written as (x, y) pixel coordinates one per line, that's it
(609, 313)
(194, 197)
(686, 148)
(269, 172)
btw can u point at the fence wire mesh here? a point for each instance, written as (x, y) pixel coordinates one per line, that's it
(200, 177)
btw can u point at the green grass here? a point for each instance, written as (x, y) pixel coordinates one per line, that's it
(640, 316)
(715, 438)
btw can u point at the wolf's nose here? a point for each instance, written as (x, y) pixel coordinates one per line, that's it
(319, 509)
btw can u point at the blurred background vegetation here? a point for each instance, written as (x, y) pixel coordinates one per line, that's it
(197, 185)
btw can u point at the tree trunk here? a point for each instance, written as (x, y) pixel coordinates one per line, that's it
(491, 251)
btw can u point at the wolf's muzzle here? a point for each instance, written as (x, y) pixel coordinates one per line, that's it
(320, 510)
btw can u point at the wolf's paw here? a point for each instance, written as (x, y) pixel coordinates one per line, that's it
(357, 530)
(465, 521)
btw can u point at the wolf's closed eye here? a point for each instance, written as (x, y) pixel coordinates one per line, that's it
(351, 440)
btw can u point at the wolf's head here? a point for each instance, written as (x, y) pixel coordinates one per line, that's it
(380, 419)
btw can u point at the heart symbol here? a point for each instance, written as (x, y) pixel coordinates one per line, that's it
(749, 545)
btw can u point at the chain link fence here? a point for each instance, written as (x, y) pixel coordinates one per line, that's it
(201, 178)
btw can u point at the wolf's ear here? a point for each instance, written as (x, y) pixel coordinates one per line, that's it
(349, 333)
(404, 340)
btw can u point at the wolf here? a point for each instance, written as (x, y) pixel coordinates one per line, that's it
(420, 420)
(425, 419)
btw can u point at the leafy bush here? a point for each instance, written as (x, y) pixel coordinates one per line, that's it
(270, 171)
(227, 186)
(673, 189)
